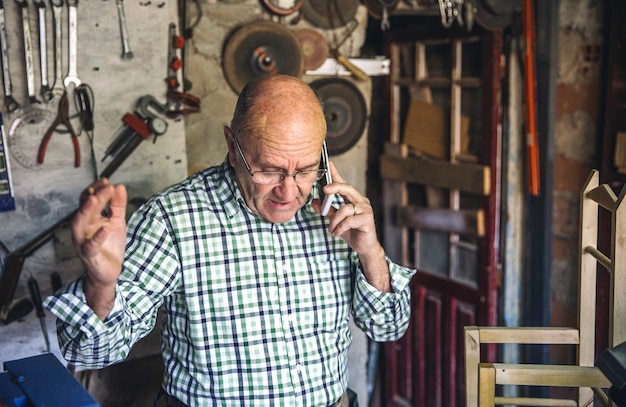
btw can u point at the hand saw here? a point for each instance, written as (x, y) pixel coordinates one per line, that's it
(7, 199)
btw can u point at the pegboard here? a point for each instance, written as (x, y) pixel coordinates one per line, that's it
(45, 193)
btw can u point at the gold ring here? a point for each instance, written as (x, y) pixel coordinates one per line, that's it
(354, 207)
(90, 190)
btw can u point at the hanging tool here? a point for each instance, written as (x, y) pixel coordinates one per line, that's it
(84, 101)
(186, 30)
(259, 49)
(356, 71)
(141, 122)
(180, 104)
(314, 47)
(45, 91)
(449, 10)
(17, 311)
(175, 43)
(126, 52)
(72, 70)
(55, 281)
(23, 124)
(380, 9)
(57, 13)
(28, 51)
(147, 106)
(345, 112)
(35, 295)
(320, 13)
(332, 9)
(532, 144)
(9, 102)
(7, 197)
(61, 119)
(279, 8)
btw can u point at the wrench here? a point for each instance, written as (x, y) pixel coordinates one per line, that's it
(28, 51)
(126, 52)
(45, 91)
(57, 13)
(72, 72)
(9, 102)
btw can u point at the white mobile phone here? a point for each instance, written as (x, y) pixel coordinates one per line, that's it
(325, 180)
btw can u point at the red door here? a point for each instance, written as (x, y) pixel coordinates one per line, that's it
(441, 182)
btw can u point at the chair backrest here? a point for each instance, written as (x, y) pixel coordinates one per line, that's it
(617, 304)
(590, 197)
(594, 197)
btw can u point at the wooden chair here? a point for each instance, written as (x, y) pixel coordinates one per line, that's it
(482, 378)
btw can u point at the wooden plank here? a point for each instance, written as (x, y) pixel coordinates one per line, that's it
(487, 385)
(465, 221)
(540, 401)
(394, 193)
(528, 335)
(472, 359)
(599, 256)
(617, 306)
(603, 195)
(588, 236)
(472, 178)
(550, 375)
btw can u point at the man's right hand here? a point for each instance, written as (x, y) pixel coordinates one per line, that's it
(99, 238)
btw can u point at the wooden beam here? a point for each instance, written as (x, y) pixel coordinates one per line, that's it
(463, 221)
(528, 335)
(603, 195)
(473, 178)
(550, 375)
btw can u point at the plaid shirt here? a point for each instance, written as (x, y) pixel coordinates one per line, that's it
(256, 313)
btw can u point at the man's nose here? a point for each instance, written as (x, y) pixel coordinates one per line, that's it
(288, 188)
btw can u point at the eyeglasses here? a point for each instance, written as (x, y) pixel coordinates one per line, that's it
(276, 177)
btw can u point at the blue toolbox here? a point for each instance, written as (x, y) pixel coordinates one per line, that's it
(41, 381)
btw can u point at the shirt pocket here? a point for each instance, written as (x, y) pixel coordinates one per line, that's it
(320, 293)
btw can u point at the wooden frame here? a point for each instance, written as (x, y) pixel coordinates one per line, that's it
(482, 378)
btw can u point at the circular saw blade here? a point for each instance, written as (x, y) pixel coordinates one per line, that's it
(259, 49)
(283, 8)
(329, 13)
(314, 47)
(494, 15)
(345, 111)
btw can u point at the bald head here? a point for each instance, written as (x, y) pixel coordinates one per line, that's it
(271, 103)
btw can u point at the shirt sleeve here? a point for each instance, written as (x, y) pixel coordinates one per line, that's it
(85, 340)
(383, 316)
(88, 342)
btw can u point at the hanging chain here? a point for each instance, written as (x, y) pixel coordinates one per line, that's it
(334, 4)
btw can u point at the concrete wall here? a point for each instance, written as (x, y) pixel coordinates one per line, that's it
(577, 138)
(45, 193)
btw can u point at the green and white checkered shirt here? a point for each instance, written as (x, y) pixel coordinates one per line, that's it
(256, 313)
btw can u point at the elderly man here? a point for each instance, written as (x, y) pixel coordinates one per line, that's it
(256, 286)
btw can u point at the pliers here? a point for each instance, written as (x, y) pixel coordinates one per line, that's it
(61, 119)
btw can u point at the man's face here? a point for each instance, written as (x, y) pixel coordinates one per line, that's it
(285, 153)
